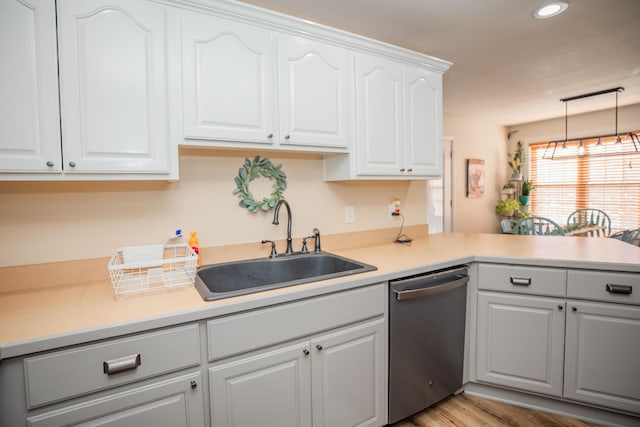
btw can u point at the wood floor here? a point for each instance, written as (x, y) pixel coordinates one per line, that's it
(470, 411)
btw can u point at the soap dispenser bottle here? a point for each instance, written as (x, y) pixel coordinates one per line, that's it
(193, 242)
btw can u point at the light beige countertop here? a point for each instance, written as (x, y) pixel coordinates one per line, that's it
(38, 318)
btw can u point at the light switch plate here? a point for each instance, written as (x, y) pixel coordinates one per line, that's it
(349, 214)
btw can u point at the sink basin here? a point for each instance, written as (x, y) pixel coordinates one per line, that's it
(229, 279)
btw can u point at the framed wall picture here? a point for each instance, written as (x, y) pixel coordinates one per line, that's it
(475, 177)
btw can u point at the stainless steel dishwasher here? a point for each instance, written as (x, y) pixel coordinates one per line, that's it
(426, 339)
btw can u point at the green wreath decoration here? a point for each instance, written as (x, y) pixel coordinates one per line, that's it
(257, 168)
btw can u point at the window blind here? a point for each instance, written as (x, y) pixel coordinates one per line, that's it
(606, 177)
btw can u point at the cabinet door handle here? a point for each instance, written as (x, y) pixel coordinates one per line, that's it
(270, 136)
(194, 384)
(121, 364)
(72, 164)
(306, 352)
(402, 170)
(319, 347)
(287, 137)
(574, 308)
(560, 307)
(409, 170)
(619, 289)
(50, 163)
(520, 281)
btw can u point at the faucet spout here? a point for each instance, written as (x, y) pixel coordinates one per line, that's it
(276, 214)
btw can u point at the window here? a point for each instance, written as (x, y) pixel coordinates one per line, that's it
(607, 177)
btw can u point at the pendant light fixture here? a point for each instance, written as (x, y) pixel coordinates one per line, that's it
(552, 152)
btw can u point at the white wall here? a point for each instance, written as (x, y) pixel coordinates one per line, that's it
(476, 139)
(47, 221)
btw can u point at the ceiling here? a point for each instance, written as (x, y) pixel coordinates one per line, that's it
(508, 68)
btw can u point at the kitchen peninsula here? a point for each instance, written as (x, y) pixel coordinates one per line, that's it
(76, 319)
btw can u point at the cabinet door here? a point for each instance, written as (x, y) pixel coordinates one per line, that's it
(423, 121)
(602, 353)
(174, 402)
(349, 377)
(379, 116)
(113, 86)
(29, 113)
(520, 342)
(269, 389)
(314, 89)
(227, 73)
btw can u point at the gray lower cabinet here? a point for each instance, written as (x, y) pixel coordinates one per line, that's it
(318, 361)
(335, 379)
(173, 402)
(571, 334)
(149, 379)
(521, 341)
(603, 340)
(314, 362)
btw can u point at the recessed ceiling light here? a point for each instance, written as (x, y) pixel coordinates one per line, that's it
(551, 9)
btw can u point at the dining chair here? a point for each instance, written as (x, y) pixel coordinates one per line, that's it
(591, 217)
(628, 236)
(538, 225)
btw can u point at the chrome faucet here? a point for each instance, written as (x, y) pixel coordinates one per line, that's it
(276, 213)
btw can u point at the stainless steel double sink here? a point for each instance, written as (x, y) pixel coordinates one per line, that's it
(230, 279)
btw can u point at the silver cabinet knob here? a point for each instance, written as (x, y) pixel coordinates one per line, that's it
(50, 163)
(287, 137)
(402, 170)
(560, 307)
(410, 170)
(270, 136)
(306, 352)
(194, 384)
(72, 164)
(319, 347)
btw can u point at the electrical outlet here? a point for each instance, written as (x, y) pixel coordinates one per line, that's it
(392, 209)
(349, 214)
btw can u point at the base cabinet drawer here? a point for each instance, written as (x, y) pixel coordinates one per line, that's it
(64, 374)
(173, 402)
(521, 279)
(602, 355)
(607, 286)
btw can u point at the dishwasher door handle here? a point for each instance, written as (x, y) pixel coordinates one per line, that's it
(432, 290)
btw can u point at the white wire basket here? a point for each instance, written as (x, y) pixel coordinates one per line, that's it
(139, 269)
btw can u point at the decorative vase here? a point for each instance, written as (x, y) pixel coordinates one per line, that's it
(524, 200)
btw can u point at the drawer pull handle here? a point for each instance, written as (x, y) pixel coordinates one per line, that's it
(121, 364)
(520, 281)
(619, 289)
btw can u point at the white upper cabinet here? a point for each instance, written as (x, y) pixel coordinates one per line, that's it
(113, 86)
(243, 85)
(314, 87)
(227, 80)
(423, 121)
(379, 148)
(398, 123)
(29, 114)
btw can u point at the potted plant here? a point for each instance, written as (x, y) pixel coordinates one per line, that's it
(516, 161)
(527, 188)
(507, 207)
